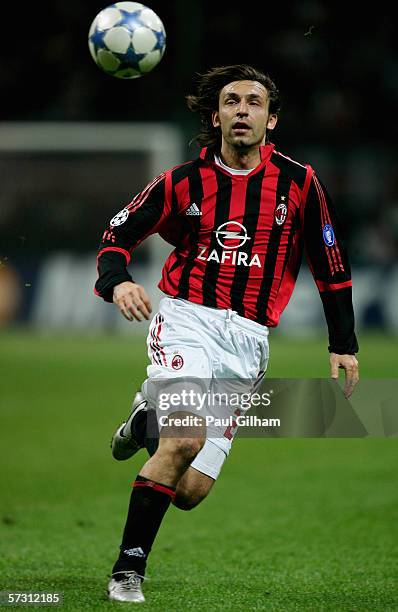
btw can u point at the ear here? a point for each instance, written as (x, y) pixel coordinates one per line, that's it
(215, 118)
(272, 121)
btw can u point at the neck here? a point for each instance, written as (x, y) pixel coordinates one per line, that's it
(240, 158)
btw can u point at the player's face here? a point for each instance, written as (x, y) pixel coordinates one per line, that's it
(243, 114)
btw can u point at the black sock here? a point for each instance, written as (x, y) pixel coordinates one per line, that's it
(148, 504)
(145, 424)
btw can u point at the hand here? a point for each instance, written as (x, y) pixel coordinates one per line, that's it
(349, 364)
(132, 301)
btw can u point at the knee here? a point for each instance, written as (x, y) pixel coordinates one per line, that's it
(192, 488)
(181, 449)
(188, 448)
(187, 501)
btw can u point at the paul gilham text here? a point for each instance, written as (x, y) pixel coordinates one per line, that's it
(230, 421)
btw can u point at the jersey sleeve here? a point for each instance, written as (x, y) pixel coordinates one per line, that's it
(328, 260)
(142, 217)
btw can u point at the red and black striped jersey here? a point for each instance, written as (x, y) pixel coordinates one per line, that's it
(238, 240)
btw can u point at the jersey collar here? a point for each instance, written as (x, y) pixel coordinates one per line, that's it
(207, 153)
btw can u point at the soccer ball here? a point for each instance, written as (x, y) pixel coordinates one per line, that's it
(127, 40)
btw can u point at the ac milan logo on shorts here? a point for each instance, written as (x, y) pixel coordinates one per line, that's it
(177, 362)
(280, 213)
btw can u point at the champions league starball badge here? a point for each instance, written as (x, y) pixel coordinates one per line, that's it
(120, 218)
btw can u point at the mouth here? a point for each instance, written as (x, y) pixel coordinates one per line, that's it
(240, 127)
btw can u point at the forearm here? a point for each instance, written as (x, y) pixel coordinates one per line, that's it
(112, 270)
(339, 314)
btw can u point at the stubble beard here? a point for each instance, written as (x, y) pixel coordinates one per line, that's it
(243, 146)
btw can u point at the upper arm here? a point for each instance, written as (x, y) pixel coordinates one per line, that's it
(323, 238)
(142, 217)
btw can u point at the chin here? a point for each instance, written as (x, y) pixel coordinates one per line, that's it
(240, 141)
(243, 144)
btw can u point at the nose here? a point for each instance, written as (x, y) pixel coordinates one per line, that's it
(242, 109)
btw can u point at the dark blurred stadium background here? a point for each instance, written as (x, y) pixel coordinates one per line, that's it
(63, 174)
(293, 524)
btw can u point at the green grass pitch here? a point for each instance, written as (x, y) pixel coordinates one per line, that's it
(292, 524)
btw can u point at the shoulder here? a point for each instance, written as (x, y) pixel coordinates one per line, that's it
(182, 171)
(297, 171)
(172, 176)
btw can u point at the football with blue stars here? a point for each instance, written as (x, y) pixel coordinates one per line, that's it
(127, 40)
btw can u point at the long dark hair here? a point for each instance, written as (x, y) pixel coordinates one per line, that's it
(209, 87)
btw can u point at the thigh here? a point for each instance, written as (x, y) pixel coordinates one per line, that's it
(209, 460)
(177, 346)
(179, 352)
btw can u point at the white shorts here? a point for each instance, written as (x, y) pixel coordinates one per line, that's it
(206, 344)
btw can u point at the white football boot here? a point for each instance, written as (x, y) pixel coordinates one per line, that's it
(123, 443)
(126, 589)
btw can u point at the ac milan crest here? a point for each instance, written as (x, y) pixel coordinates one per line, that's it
(281, 213)
(177, 362)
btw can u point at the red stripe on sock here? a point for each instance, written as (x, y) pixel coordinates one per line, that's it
(156, 486)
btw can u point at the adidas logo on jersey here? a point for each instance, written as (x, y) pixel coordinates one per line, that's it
(193, 210)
